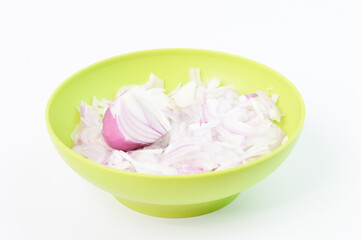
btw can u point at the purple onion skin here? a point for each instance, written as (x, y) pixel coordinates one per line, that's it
(113, 136)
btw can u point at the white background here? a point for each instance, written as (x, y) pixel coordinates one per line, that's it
(315, 194)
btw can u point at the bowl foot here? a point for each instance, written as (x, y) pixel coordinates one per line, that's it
(177, 211)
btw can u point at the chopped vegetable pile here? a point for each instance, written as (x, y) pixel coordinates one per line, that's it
(199, 127)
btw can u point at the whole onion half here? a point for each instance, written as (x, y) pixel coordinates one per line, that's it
(135, 119)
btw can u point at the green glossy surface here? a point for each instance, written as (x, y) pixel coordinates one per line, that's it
(182, 195)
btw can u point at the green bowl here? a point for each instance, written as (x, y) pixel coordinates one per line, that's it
(163, 195)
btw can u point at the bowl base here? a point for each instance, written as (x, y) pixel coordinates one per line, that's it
(177, 211)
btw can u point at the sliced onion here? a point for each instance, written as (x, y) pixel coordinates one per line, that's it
(95, 152)
(196, 128)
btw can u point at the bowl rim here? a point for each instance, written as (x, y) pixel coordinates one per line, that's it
(184, 176)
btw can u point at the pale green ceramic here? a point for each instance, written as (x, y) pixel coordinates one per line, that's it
(181, 195)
